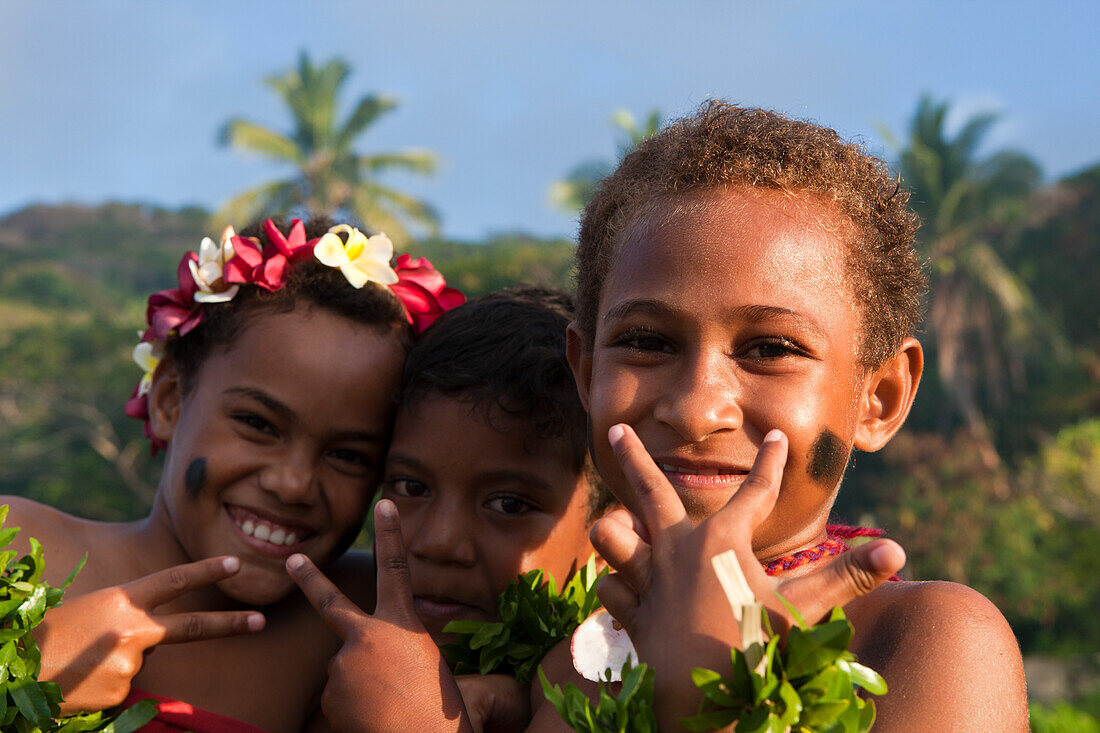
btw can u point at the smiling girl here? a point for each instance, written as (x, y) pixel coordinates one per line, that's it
(279, 356)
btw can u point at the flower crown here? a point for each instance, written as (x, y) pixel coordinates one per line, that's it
(216, 273)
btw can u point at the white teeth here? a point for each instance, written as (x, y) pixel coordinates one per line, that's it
(291, 539)
(277, 537)
(248, 527)
(262, 532)
(680, 469)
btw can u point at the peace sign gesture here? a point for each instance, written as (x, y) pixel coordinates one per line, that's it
(666, 593)
(93, 645)
(389, 675)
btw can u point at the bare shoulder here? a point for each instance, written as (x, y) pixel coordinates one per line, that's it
(354, 573)
(948, 656)
(64, 537)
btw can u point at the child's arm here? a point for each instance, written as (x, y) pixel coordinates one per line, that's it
(666, 593)
(389, 674)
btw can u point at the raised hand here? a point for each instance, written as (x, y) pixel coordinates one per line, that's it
(666, 593)
(93, 645)
(389, 675)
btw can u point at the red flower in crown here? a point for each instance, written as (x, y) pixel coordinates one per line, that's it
(175, 309)
(268, 268)
(423, 291)
(138, 407)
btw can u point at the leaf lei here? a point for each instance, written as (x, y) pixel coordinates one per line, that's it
(808, 685)
(534, 617)
(27, 705)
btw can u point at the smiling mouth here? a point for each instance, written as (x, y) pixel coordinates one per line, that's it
(685, 477)
(267, 530)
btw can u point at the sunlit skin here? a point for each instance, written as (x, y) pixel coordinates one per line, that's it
(287, 425)
(716, 324)
(479, 504)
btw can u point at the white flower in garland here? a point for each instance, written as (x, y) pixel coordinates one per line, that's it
(361, 259)
(147, 355)
(209, 268)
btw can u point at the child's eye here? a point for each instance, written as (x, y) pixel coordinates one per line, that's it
(643, 341)
(255, 422)
(510, 505)
(351, 457)
(409, 487)
(775, 347)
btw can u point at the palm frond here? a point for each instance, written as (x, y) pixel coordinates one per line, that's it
(412, 160)
(249, 136)
(279, 197)
(408, 207)
(369, 109)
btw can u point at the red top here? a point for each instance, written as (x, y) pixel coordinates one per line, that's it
(174, 716)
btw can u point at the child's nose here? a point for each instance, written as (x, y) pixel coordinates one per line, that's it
(703, 398)
(291, 477)
(443, 536)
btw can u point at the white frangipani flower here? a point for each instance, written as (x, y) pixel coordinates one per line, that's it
(147, 355)
(208, 270)
(362, 260)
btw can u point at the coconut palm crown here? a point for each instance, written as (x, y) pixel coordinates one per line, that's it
(332, 178)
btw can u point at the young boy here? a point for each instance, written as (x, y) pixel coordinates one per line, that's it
(748, 291)
(489, 470)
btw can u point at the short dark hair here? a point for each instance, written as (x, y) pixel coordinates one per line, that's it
(306, 282)
(504, 353)
(724, 144)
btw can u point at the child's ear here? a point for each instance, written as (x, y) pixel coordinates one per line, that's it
(165, 398)
(887, 396)
(580, 359)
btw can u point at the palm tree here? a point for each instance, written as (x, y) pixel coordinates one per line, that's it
(982, 317)
(573, 193)
(332, 178)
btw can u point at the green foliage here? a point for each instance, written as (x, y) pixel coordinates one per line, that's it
(27, 705)
(808, 685)
(630, 711)
(1062, 717)
(534, 617)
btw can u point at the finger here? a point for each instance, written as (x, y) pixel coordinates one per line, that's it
(648, 493)
(395, 600)
(180, 628)
(619, 599)
(853, 574)
(337, 611)
(168, 584)
(753, 501)
(615, 537)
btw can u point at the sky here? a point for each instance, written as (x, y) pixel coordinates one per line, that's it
(124, 100)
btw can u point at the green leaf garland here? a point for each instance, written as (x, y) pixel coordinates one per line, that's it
(534, 618)
(27, 705)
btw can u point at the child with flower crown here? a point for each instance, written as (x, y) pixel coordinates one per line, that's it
(270, 376)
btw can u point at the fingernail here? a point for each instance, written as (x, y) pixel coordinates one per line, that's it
(615, 434)
(886, 556)
(774, 436)
(295, 561)
(387, 509)
(256, 621)
(231, 564)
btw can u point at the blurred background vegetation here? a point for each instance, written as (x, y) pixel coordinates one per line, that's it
(994, 482)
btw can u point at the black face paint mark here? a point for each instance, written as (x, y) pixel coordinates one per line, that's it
(194, 478)
(828, 458)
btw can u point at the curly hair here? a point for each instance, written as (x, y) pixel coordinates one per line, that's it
(724, 144)
(307, 282)
(504, 354)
